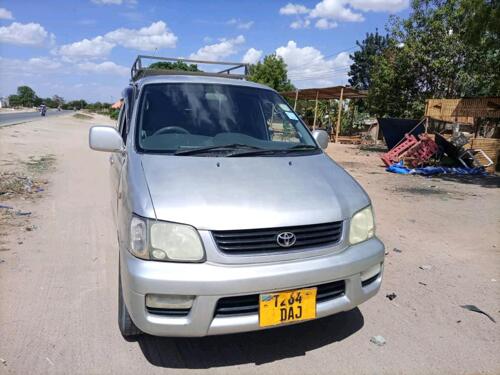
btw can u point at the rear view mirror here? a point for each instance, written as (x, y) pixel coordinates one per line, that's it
(321, 137)
(105, 138)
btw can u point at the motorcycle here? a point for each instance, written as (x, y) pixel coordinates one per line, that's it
(43, 111)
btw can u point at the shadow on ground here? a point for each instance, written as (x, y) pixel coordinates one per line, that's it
(253, 347)
(490, 181)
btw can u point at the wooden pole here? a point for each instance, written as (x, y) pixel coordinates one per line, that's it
(337, 129)
(315, 111)
(296, 98)
(426, 116)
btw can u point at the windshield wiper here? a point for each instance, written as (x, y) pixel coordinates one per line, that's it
(201, 150)
(274, 151)
(302, 147)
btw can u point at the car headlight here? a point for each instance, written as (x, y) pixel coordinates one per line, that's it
(158, 240)
(362, 226)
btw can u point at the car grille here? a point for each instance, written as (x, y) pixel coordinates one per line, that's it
(249, 304)
(265, 240)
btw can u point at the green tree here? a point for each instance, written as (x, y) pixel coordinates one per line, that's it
(177, 65)
(75, 104)
(49, 103)
(430, 54)
(272, 71)
(57, 99)
(372, 46)
(26, 96)
(14, 101)
(481, 33)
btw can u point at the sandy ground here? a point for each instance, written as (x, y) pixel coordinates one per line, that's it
(58, 281)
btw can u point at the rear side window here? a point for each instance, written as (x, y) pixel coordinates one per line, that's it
(122, 122)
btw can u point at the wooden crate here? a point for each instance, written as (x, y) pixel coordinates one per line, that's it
(491, 147)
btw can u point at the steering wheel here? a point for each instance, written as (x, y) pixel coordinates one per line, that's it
(171, 129)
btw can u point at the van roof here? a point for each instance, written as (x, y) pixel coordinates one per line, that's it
(198, 79)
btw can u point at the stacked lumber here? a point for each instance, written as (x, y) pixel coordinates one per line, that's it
(354, 139)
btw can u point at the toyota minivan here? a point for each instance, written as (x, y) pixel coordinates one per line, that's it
(229, 215)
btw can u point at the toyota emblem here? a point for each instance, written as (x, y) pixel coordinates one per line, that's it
(286, 239)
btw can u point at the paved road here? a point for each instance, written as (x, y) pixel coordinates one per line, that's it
(20, 117)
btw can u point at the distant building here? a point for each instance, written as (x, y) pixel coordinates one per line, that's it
(4, 102)
(118, 104)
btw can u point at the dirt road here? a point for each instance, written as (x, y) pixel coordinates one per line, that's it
(58, 280)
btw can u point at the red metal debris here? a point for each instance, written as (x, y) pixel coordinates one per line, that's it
(421, 152)
(414, 151)
(394, 155)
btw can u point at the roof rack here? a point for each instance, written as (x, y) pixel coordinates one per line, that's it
(139, 70)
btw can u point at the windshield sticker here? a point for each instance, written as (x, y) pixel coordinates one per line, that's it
(284, 107)
(292, 116)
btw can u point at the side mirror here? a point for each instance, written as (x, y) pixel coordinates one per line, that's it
(105, 138)
(321, 137)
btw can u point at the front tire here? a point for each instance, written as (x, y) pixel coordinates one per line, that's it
(127, 327)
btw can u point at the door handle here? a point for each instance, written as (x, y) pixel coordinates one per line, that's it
(111, 160)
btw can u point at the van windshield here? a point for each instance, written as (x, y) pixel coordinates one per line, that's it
(200, 119)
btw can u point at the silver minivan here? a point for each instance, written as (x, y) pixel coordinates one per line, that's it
(229, 215)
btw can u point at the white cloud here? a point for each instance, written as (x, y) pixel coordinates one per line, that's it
(28, 34)
(240, 24)
(324, 24)
(107, 2)
(86, 22)
(391, 6)
(114, 2)
(44, 63)
(49, 76)
(5, 14)
(32, 66)
(307, 66)
(300, 24)
(326, 12)
(217, 51)
(335, 10)
(252, 56)
(156, 35)
(106, 67)
(18, 72)
(291, 9)
(98, 47)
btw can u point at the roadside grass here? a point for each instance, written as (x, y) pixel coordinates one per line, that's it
(27, 179)
(18, 189)
(81, 116)
(40, 164)
(11, 183)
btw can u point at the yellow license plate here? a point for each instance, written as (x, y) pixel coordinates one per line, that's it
(287, 307)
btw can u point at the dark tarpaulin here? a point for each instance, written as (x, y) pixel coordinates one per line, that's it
(394, 129)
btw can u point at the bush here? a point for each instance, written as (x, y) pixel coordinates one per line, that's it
(113, 113)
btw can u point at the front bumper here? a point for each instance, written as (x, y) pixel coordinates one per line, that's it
(209, 282)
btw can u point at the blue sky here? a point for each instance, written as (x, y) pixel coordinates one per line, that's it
(84, 48)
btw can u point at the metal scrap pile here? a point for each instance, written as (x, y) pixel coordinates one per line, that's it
(420, 153)
(414, 152)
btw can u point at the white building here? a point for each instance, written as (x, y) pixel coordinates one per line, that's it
(4, 102)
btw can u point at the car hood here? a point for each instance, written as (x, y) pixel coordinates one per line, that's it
(215, 193)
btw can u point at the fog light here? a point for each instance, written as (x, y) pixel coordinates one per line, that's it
(158, 254)
(370, 272)
(165, 301)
